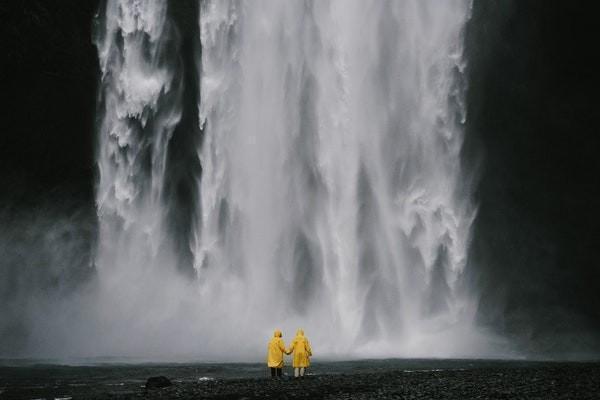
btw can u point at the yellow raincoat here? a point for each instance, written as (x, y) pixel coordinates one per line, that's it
(301, 349)
(275, 351)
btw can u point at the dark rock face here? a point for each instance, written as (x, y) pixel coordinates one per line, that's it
(158, 382)
(48, 73)
(533, 125)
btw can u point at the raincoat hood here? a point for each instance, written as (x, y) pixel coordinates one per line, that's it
(300, 332)
(277, 333)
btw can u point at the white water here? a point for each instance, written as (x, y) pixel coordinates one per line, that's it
(141, 108)
(332, 195)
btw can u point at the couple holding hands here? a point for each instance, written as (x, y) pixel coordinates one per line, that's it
(300, 346)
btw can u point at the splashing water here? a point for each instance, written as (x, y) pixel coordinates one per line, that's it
(139, 109)
(331, 194)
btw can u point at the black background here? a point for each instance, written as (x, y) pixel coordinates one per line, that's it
(531, 140)
(533, 110)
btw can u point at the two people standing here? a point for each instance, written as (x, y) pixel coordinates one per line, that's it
(300, 346)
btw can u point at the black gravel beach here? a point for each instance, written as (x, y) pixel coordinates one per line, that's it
(380, 379)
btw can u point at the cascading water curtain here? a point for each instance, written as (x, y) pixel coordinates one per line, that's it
(331, 195)
(139, 107)
(332, 190)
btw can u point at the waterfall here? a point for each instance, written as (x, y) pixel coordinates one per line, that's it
(138, 111)
(331, 195)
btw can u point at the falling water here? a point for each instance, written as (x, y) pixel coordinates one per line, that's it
(140, 106)
(332, 190)
(140, 109)
(331, 195)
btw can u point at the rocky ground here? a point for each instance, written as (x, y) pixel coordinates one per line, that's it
(546, 381)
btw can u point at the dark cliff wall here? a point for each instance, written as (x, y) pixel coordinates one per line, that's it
(48, 75)
(48, 80)
(533, 111)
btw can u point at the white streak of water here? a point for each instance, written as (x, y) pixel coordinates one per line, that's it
(332, 191)
(331, 197)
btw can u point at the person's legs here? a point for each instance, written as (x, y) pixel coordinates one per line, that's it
(302, 371)
(296, 372)
(279, 372)
(273, 372)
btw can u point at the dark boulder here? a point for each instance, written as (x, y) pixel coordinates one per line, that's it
(157, 382)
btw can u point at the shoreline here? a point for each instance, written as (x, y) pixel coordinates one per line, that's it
(140, 362)
(367, 380)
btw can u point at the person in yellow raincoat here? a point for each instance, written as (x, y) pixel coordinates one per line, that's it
(275, 351)
(300, 346)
